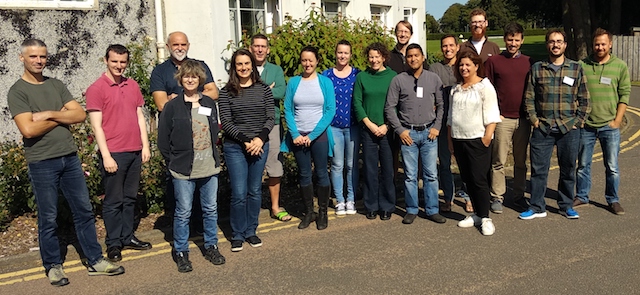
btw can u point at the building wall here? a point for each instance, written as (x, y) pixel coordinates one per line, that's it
(209, 29)
(76, 41)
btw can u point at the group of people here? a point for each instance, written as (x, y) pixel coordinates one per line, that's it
(474, 105)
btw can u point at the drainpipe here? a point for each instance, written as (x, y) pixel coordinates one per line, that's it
(159, 31)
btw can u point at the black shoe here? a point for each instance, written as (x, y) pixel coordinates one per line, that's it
(409, 218)
(182, 260)
(136, 244)
(254, 241)
(236, 246)
(372, 214)
(437, 218)
(521, 203)
(385, 215)
(213, 254)
(114, 254)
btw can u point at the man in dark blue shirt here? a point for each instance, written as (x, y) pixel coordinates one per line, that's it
(164, 86)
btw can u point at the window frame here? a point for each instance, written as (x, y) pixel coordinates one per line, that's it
(49, 4)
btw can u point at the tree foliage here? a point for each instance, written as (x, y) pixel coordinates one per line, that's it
(432, 24)
(287, 40)
(454, 19)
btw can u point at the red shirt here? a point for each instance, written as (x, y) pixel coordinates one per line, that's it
(509, 77)
(119, 104)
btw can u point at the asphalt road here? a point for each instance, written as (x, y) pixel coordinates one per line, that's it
(596, 254)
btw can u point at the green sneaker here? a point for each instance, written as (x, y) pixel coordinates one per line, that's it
(56, 276)
(105, 268)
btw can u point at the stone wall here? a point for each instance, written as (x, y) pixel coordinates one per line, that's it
(76, 41)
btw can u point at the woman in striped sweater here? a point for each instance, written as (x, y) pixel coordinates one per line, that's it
(247, 116)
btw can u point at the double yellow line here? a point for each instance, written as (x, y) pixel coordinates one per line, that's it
(129, 255)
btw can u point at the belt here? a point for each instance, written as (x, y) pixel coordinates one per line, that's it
(419, 127)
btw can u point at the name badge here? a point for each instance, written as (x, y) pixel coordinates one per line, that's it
(605, 80)
(204, 111)
(419, 92)
(568, 80)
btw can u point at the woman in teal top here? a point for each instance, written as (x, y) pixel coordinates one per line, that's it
(369, 97)
(308, 111)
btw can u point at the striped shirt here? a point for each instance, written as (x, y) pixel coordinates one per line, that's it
(609, 85)
(248, 115)
(558, 99)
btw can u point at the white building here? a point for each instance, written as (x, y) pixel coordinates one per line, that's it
(210, 25)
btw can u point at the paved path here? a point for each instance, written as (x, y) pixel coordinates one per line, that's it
(597, 254)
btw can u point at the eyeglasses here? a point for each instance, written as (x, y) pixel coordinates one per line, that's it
(478, 22)
(553, 42)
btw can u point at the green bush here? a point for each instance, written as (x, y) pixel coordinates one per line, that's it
(287, 40)
(467, 35)
(16, 197)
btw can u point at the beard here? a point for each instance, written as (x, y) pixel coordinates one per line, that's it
(555, 55)
(179, 55)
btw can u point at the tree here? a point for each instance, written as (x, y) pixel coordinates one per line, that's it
(577, 27)
(499, 12)
(432, 24)
(453, 19)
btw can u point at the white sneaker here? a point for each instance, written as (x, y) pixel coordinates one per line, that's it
(470, 221)
(487, 227)
(351, 208)
(340, 209)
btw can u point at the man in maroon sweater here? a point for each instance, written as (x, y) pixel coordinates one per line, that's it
(508, 73)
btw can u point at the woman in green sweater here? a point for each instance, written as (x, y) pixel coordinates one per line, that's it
(369, 97)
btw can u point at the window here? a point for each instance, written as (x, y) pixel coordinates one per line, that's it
(50, 4)
(247, 17)
(379, 14)
(408, 14)
(333, 10)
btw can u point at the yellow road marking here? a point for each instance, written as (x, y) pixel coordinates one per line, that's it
(68, 266)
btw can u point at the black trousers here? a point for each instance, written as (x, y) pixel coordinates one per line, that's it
(474, 162)
(120, 196)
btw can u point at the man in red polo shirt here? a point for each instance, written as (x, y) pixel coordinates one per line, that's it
(115, 105)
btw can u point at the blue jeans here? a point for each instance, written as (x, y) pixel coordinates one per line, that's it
(245, 177)
(346, 143)
(65, 174)
(610, 143)
(427, 150)
(318, 152)
(444, 169)
(120, 197)
(379, 191)
(541, 149)
(183, 191)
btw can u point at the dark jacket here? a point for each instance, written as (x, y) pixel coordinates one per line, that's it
(175, 134)
(398, 63)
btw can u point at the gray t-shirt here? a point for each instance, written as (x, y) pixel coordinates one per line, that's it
(51, 95)
(308, 105)
(204, 165)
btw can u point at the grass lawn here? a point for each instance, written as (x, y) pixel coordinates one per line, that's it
(533, 46)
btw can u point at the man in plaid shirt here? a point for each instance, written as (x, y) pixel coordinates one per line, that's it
(557, 101)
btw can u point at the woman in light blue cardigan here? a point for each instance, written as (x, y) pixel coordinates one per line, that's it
(309, 107)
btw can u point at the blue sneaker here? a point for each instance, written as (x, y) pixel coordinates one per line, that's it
(570, 214)
(529, 214)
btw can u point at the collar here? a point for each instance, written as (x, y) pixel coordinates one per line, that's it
(174, 64)
(105, 78)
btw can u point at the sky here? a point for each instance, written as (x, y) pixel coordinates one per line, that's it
(438, 7)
